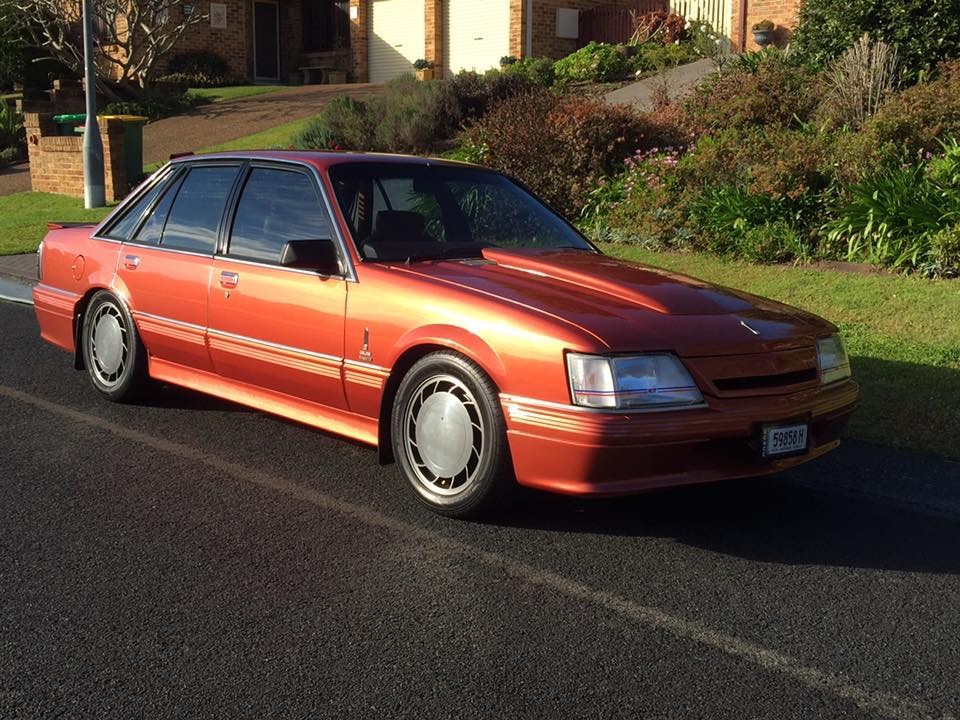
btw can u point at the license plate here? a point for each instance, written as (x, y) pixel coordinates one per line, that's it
(784, 439)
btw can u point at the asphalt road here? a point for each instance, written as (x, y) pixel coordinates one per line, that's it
(188, 558)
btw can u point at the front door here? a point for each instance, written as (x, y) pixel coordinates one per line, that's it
(266, 40)
(272, 327)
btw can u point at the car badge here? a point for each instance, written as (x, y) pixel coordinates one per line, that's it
(744, 323)
(365, 354)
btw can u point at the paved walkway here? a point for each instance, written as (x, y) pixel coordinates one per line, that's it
(680, 81)
(14, 179)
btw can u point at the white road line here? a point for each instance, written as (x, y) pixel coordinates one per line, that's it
(886, 704)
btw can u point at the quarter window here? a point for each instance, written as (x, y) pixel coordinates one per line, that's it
(276, 206)
(152, 228)
(122, 228)
(195, 216)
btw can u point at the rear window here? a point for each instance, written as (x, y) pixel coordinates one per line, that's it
(194, 218)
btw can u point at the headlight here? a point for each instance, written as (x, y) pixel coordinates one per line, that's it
(832, 356)
(635, 382)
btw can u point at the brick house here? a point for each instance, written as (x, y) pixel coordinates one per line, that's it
(374, 40)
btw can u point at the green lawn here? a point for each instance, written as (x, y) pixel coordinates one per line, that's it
(903, 334)
(273, 138)
(24, 217)
(233, 92)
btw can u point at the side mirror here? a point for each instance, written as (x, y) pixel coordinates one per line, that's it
(318, 255)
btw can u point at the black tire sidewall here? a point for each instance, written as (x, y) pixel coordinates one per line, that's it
(493, 465)
(132, 377)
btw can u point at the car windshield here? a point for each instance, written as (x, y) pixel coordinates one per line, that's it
(408, 212)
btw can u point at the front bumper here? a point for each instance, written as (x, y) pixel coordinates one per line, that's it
(578, 451)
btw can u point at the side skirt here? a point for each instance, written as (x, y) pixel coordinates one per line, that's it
(356, 427)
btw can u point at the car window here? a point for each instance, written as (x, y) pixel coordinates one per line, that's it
(495, 214)
(275, 207)
(195, 215)
(406, 212)
(122, 228)
(152, 228)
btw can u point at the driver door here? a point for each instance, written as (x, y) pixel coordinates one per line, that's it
(273, 327)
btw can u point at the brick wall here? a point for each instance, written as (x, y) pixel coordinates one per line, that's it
(783, 12)
(545, 40)
(56, 162)
(433, 11)
(233, 43)
(359, 31)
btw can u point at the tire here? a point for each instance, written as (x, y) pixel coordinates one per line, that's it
(113, 354)
(449, 436)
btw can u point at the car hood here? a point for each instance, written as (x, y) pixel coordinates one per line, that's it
(631, 307)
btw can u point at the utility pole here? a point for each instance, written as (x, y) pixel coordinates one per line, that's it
(94, 193)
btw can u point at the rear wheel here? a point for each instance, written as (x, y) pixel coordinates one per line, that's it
(449, 435)
(113, 354)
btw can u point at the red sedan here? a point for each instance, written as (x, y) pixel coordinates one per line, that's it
(443, 314)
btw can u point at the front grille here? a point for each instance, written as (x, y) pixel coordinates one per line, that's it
(765, 381)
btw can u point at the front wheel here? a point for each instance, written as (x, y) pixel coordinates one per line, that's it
(449, 435)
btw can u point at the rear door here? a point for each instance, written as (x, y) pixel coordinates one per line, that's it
(166, 264)
(273, 327)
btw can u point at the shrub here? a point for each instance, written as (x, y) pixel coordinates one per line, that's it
(597, 62)
(889, 217)
(536, 71)
(659, 26)
(153, 106)
(778, 93)
(8, 155)
(915, 119)
(412, 116)
(923, 31)
(943, 258)
(476, 94)
(859, 81)
(343, 124)
(198, 68)
(409, 116)
(945, 168)
(652, 57)
(772, 161)
(560, 147)
(315, 136)
(11, 125)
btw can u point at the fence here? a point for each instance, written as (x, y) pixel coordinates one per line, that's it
(614, 23)
(719, 13)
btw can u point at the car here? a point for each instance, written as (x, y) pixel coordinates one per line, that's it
(441, 313)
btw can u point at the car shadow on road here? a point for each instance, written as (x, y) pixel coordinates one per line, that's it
(773, 520)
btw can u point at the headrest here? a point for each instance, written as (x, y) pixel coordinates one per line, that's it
(395, 225)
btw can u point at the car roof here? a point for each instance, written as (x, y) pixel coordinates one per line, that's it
(321, 159)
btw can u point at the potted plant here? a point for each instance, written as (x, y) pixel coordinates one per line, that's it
(763, 32)
(424, 69)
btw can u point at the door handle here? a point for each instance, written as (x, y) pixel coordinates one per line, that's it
(131, 262)
(229, 279)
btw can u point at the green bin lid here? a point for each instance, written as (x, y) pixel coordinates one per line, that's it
(70, 118)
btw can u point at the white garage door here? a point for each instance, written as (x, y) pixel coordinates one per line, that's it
(477, 34)
(398, 37)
